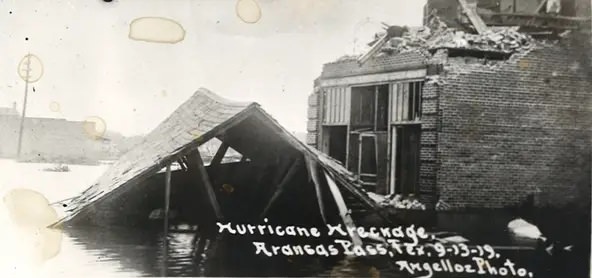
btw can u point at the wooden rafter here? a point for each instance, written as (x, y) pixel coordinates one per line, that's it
(219, 154)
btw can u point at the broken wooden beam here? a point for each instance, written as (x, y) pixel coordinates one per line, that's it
(540, 7)
(476, 20)
(287, 178)
(391, 31)
(198, 165)
(343, 211)
(313, 171)
(377, 46)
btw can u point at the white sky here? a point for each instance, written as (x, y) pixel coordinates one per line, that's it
(92, 68)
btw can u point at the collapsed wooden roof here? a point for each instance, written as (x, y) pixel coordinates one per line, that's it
(201, 118)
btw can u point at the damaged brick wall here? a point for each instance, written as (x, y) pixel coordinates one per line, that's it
(522, 128)
(430, 118)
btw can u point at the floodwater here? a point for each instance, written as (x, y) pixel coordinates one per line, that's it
(121, 252)
(125, 252)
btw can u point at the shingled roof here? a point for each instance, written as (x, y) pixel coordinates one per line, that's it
(202, 117)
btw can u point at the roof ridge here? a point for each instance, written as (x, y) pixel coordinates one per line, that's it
(218, 98)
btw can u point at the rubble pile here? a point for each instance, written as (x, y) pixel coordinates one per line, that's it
(398, 201)
(436, 35)
(441, 205)
(500, 39)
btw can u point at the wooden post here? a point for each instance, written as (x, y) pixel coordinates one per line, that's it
(313, 172)
(343, 211)
(205, 180)
(182, 164)
(167, 199)
(282, 186)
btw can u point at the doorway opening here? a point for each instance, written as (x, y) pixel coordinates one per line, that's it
(404, 178)
(336, 142)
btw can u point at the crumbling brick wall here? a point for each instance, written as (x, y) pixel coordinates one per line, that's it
(524, 127)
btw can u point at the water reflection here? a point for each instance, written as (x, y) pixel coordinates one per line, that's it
(124, 252)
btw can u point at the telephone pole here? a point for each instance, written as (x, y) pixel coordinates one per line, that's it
(30, 75)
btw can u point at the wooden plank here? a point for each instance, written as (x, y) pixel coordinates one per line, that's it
(412, 96)
(312, 167)
(282, 186)
(347, 142)
(417, 72)
(198, 164)
(375, 107)
(219, 154)
(347, 105)
(400, 102)
(339, 107)
(343, 211)
(343, 105)
(405, 102)
(388, 132)
(392, 101)
(475, 19)
(540, 7)
(375, 48)
(328, 105)
(393, 159)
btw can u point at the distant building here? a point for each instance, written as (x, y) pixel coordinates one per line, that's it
(52, 140)
(9, 111)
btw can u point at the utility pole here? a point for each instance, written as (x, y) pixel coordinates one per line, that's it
(27, 75)
(30, 75)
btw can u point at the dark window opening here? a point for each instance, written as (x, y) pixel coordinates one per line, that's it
(382, 108)
(369, 107)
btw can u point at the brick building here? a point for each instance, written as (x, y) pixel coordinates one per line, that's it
(472, 120)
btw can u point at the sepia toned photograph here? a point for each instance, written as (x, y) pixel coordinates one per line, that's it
(296, 138)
